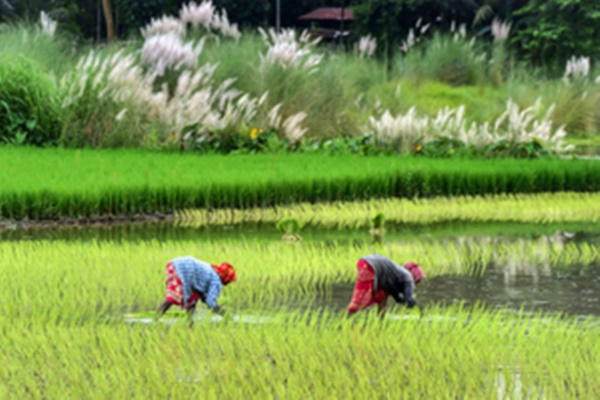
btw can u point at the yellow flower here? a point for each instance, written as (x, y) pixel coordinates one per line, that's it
(418, 148)
(254, 133)
(172, 138)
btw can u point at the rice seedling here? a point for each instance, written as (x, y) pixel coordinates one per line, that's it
(66, 330)
(62, 282)
(537, 208)
(290, 228)
(57, 183)
(456, 352)
(377, 230)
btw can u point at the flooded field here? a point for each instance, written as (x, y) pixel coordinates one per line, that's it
(507, 310)
(530, 284)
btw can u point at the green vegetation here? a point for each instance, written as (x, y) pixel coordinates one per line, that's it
(471, 354)
(65, 335)
(60, 281)
(56, 183)
(310, 99)
(29, 110)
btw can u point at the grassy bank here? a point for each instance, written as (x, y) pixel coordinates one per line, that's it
(57, 183)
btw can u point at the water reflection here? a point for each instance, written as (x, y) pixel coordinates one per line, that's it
(574, 290)
(168, 231)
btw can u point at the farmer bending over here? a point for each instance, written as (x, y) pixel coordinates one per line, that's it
(379, 277)
(190, 280)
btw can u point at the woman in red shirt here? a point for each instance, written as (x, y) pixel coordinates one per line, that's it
(379, 277)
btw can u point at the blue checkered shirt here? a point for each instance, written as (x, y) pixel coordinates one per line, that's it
(198, 276)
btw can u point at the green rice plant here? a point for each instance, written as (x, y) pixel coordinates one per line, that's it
(455, 351)
(291, 228)
(63, 283)
(377, 230)
(57, 183)
(537, 208)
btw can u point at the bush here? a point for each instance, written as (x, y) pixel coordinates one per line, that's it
(29, 112)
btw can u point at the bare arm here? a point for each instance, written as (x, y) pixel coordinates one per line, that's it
(408, 295)
(381, 308)
(164, 307)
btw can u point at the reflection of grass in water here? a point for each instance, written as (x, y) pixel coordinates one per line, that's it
(538, 208)
(175, 311)
(267, 233)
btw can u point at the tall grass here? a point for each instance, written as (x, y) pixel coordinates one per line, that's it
(54, 54)
(29, 109)
(336, 95)
(55, 183)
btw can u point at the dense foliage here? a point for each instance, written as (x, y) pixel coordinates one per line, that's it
(547, 32)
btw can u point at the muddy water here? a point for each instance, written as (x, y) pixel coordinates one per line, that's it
(574, 292)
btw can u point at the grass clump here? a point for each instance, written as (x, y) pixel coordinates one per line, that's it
(29, 109)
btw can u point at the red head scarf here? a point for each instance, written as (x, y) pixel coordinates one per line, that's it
(416, 271)
(226, 272)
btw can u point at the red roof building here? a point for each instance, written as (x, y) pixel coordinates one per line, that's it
(329, 14)
(330, 23)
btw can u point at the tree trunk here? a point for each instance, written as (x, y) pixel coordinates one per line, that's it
(108, 17)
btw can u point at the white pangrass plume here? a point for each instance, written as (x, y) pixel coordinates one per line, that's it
(167, 51)
(500, 30)
(47, 24)
(221, 23)
(163, 26)
(205, 15)
(197, 15)
(576, 68)
(515, 126)
(291, 126)
(461, 33)
(271, 37)
(403, 131)
(289, 51)
(195, 102)
(409, 42)
(366, 46)
(412, 38)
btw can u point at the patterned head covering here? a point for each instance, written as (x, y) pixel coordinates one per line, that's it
(226, 272)
(416, 271)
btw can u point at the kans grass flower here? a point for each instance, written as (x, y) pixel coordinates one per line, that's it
(48, 24)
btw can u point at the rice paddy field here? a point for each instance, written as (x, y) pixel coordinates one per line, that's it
(58, 183)
(510, 308)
